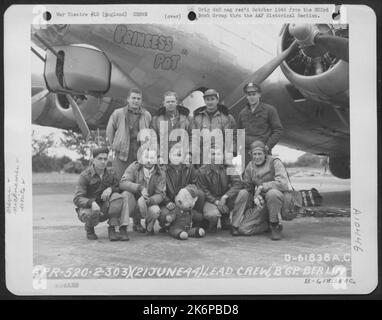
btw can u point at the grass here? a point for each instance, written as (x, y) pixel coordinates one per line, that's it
(54, 177)
(307, 171)
(57, 177)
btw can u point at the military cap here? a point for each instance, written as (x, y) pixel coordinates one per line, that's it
(100, 150)
(252, 87)
(257, 145)
(211, 92)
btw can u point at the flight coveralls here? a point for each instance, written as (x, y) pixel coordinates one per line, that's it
(122, 132)
(89, 188)
(221, 120)
(273, 176)
(214, 182)
(263, 124)
(131, 182)
(180, 120)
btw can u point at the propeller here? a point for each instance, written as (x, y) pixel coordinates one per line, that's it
(39, 96)
(265, 71)
(259, 75)
(42, 94)
(307, 35)
(79, 117)
(338, 46)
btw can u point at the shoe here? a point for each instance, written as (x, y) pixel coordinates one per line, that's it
(226, 227)
(90, 233)
(225, 223)
(139, 228)
(205, 223)
(235, 232)
(123, 233)
(276, 232)
(150, 233)
(163, 230)
(113, 235)
(212, 228)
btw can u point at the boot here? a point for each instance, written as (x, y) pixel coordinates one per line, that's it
(205, 224)
(123, 233)
(149, 228)
(150, 232)
(235, 232)
(213, 227)
(113, 235)
(164, 229)
(200, 233)
(276, 231)
(90, 233)
(226, 225)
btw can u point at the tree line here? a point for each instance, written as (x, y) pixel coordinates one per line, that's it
(44, 161)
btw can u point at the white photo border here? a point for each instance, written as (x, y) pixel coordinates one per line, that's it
(17, 150)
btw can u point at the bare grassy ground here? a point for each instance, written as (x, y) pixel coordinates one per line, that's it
(57, 177)
(54, 177)
(310, 172)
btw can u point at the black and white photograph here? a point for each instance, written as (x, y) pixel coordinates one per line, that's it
(189, 151)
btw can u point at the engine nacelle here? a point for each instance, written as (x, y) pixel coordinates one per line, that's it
(316, 73)
(339, 166)
(84, 71)
(56, 111)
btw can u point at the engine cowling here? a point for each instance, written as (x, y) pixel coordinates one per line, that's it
(55, 111)
(82, 70)
(316, 73)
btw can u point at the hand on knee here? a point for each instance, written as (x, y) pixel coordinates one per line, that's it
(169, 219)
(154, 211)
(212, 215)
(142, 205)
(141, 202)
(243, 194)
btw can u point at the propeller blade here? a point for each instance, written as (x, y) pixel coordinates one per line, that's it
(39, 96)
(259, 75)
(265, 71)
(308, 35)
(337, 46)
(79, 117)
(38, 55)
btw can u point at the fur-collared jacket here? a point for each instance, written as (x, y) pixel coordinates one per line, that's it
(134, 177)
(181, 121)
